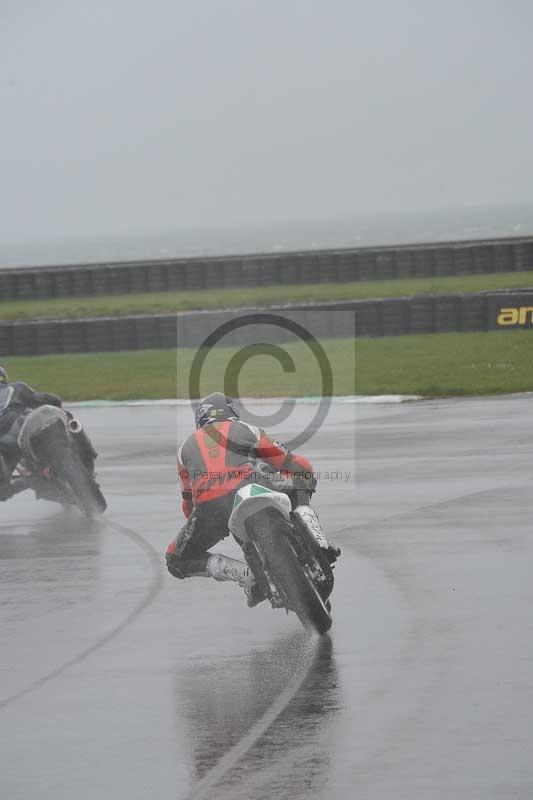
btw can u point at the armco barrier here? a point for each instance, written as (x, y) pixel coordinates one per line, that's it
(390, 317)
(313, 266)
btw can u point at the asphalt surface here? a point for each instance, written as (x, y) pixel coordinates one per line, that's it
(118, 681)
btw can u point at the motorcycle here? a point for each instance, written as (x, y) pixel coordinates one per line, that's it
(286, 560)
(58, 460)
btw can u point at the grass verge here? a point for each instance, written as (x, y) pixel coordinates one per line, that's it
(445, 364)
(158, 374)
(122, 305)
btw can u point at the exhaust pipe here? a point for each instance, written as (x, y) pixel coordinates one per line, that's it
(84, 442)
(74, 426)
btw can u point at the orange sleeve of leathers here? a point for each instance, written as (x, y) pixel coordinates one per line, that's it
(279, 457)
(186, 489)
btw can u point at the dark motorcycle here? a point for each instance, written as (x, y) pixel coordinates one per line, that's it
(58, 460)
(287, 562)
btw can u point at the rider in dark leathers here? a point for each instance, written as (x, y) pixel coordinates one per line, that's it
(215, 461)
(15, 400)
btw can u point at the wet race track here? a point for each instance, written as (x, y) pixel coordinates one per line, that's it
(118, 681)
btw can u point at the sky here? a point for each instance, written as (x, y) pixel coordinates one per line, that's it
(124, 117)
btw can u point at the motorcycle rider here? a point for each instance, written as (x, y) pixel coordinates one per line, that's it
(213, 462)
(15, 400)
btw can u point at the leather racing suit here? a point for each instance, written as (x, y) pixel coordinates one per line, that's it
(15, 400)
(213, 463)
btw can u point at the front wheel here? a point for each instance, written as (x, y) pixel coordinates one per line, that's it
(268, 529)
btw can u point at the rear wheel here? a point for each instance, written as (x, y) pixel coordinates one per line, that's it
(72, 471)
(268, 529)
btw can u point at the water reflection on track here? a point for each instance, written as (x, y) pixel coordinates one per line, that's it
(232, 705)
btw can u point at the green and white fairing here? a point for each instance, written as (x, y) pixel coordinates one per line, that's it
(253, 498)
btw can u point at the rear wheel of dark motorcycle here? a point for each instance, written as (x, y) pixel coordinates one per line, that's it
(70, 468)
(269, 531)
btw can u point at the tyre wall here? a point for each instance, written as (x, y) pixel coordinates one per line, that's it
(485, 311)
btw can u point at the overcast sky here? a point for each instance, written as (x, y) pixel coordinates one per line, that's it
(125, 116)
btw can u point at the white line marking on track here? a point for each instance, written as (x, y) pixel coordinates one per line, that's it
(153, 590)
(235, 753)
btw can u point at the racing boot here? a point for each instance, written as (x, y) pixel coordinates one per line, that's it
(5, 472)
(223, 568)
(310, 520)
(12, 486)
(7, 489)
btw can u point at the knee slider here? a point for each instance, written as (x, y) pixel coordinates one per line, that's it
(175, 566)
(181, 567)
